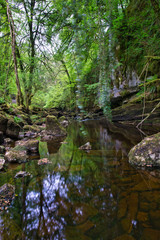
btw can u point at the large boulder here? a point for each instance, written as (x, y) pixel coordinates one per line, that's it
(13, 129)
(30, 145)
(53, 127)
(147, 152)
(16, 156)
(3, 123)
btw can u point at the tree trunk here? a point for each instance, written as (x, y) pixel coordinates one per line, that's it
(32, 37)
(13, 38)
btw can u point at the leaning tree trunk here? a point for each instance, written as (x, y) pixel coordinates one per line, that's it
(13, 38)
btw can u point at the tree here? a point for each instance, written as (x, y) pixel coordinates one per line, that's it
(13, 42)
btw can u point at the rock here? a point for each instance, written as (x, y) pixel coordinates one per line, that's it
(2, 149)
(43, 161)
(122, 208)
(2, 162)
(16, 156)
(150, 234)
(32, 128)
(53, 127)
(30, 134)
(62, 118)
(22, 174)
(1, 137)
(13, 129)
(64, 123)
(29, 145)
(6, 195)
(86, 146)
(147, 152)
(21, 135)
(3, 123)
(155, 218)
(142, 216)
(132, 207)
(8, 141)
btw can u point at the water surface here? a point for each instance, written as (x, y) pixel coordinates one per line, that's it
(84, 195)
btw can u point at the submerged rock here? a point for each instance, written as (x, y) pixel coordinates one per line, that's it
(2, 162)
(22, 174)
(29, 145)
(6, 195)
(147, 152)
(16, 156)
(43, 161)
(86, 146)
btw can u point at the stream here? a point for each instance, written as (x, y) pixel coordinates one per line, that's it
(83, 195)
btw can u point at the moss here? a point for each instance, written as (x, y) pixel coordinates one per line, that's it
(62, 118)
(19, 148)
(32, 128)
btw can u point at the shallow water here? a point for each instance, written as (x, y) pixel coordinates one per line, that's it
(84, 195)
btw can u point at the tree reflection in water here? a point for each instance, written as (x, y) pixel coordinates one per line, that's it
(83, 195)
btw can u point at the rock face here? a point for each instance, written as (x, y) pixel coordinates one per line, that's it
(13, 129)
(16, 156)
(147, 152)
(6, 195)
(29, 145)
(54, 127)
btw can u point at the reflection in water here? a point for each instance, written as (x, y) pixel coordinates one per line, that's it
(84, 195)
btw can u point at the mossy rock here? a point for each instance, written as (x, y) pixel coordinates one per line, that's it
(147, 152)
(16, 156)
(13, 129)
(62, 118)
(53, 127)
(32, 128)
(30, 145)
(3, 123)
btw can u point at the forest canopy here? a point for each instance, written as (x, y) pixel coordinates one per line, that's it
(73, 54)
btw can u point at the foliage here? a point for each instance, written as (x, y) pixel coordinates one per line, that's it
(71, 54)
(17, 119)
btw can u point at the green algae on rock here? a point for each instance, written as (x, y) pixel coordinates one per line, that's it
(147, 152)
